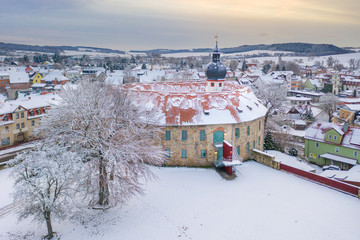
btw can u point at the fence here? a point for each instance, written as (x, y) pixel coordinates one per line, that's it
(323, 180)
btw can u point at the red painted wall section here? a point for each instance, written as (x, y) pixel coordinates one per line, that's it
(227, 155)
(324, 180)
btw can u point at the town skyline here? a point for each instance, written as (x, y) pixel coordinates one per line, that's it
(142, 25)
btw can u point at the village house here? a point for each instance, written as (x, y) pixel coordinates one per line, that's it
(331, 144)
(349, 113)
(4, 81)
(18, 118)
(54, 78)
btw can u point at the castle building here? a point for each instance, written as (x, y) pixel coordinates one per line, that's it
(197, 117)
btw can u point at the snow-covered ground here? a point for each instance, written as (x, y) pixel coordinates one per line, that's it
(190, 203)
(342, 58)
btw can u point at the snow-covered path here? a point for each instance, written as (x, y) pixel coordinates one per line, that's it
(185, 203)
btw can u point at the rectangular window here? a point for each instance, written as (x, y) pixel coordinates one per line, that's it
(17, 115)
(238, 149)
(220, 84)
(203, 153)
(259, 125)
(355, 153)
(22, 115)
(336, 149)
(22, 125)
(183, 135)
(5, 141)
(247, 147)
(202, 135)
(316, 144)
(32, 123)
(254, 144)
(329, 136)
(167, 153)
(237, 132)
(259, 141)
(6, 129)
(17, 126)
(335, 137)
(212, 84)
(248, 131)
(183, 153)
(167, 135)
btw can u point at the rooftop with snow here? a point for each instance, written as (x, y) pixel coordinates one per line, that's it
(188, 103)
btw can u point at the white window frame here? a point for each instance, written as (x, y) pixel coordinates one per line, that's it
(337, 149)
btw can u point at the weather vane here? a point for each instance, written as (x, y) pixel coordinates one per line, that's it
(217, 38)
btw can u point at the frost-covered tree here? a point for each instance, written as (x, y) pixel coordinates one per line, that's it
(272, 95)
(112, 134)
(328, 104)
(45, 180)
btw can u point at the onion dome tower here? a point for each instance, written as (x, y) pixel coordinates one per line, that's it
(215, 72)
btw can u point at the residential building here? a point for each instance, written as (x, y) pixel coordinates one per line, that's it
(18, 118)
(331, 144)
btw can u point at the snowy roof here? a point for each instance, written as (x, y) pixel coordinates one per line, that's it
(36, 85)
(184, 103)
(19, 77)
(29, 102)
(55, 75)
(339, 158)
(351, 138)
(295, 98)
(353, 107)
(352, 175)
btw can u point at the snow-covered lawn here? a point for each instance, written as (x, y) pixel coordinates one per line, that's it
(189, 203)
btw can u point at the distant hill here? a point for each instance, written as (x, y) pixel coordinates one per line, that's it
(300, 49)
(4, 47)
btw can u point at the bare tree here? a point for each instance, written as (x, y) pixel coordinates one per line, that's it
(330, 61)
(44, 183)
(328, 104)
(111, 133)
(233, 65)
(272, 95)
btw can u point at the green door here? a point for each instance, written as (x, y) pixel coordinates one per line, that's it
(218, 138)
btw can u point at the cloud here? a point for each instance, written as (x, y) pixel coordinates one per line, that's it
(141, 24)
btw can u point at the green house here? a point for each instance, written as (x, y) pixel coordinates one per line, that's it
(331, 144)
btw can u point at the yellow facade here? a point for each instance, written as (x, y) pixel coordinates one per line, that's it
(344, 115)
(19, 129)
(37, 78)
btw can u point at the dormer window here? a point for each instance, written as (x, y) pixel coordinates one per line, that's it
(39, 111)
(6, 118)
(31, 113)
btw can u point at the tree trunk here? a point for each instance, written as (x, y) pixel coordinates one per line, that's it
(48, 224)
(103, 184)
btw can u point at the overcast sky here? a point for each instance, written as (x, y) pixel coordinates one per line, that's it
(177, 24)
